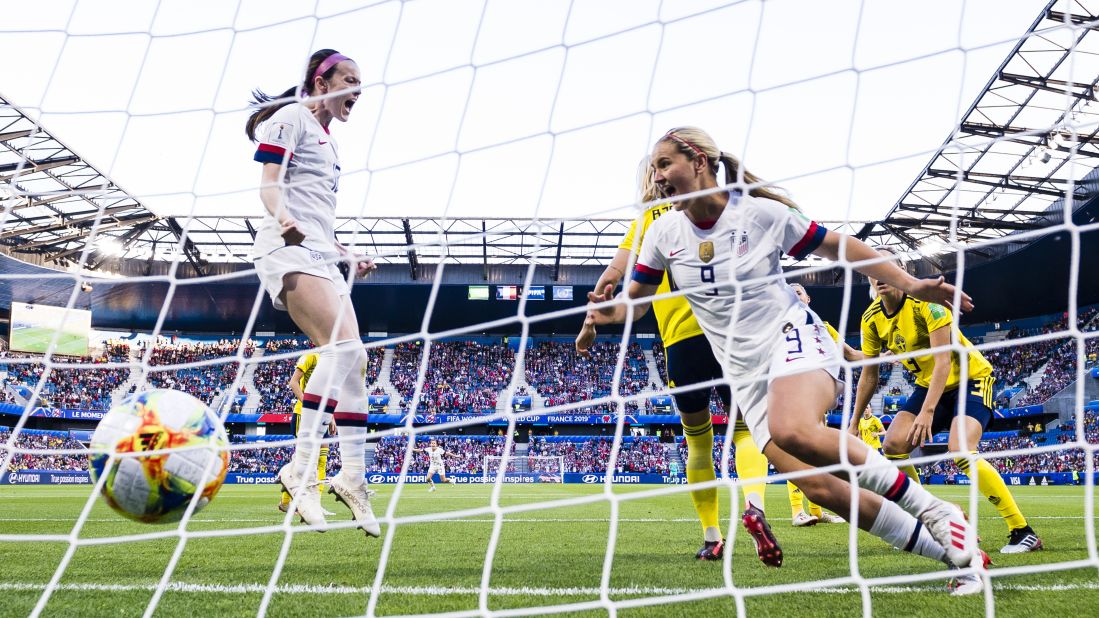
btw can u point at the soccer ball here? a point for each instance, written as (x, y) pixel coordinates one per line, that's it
(158, 488)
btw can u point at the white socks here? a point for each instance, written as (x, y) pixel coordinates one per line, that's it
(903, 531)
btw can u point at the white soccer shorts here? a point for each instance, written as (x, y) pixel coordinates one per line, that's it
(798, 349)
(272, 267)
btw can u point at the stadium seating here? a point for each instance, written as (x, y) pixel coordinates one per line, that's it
(562, 376)
(271, 378)
(468, 453)
(462, 376)
(205, 382)
(40, 439)
(590, 454)
(86, 388)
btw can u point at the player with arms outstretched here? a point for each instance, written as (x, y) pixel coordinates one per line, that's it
(723, 249)
(437, 465)
(896, 322)
(691, 361)
(303, 370)
(296, 255)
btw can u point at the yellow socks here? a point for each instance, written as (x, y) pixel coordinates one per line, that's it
(992, 485)
(798, 501)
(700, 468)
(322, 471)
(750, 464)
(908, 469)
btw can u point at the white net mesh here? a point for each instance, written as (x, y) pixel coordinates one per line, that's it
(518, 108)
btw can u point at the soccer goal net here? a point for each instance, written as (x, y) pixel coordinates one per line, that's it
(489, 168)
(528, 469)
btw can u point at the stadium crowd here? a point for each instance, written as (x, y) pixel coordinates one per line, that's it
(205, 382)
(561, 376)
(82, 387)
(271, 379)
(461, 376)
(42, 440)
(463, 454)
(638, 455)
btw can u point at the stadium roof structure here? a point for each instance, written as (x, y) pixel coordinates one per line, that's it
(1001, 172)
(1021, 149)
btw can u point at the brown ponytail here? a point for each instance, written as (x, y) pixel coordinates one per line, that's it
(263, 101)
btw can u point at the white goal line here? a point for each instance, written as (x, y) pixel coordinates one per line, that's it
(569, 591)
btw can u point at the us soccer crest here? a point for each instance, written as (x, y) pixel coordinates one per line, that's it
(742, 245)
(706, 251)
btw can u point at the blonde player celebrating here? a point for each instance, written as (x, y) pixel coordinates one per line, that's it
(806, 512)
(437, 465)
(691, 361)
(303, 370)
(295, 253)
(870, 429)
(723, 249)
(901, 324)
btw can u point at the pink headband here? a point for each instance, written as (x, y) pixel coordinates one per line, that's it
(328, 63)
(685, 143)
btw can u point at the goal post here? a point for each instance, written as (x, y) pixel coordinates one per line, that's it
(547, 468)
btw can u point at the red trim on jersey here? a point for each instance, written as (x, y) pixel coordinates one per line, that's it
(647, 274)
(809, 242)
(704, 225)
(273, 149)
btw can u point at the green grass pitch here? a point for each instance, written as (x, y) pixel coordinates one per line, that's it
(544, 557)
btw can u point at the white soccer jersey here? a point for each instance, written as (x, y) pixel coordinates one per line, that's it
(436, 455)
(312, 178)
(743, 245)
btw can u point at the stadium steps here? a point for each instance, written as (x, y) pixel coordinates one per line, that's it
(247, 380)
(654, 371)
(387, 386)
(503, 398)
(124, 388)
(672, 453)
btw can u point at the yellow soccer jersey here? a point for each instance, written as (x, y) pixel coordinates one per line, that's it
(674, 318)
(832, 332)
(908, 330)
(868, 427)
(307, 363)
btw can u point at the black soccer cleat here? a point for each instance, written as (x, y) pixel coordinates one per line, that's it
(766, 544)
(1021, 541)
(711, 550)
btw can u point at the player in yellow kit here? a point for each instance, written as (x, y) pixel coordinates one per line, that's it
(805, 512)
(690, 360)
(870, 429)
(901, 325)
(303, 370)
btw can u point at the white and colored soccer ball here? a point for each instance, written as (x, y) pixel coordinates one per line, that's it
(157, 488)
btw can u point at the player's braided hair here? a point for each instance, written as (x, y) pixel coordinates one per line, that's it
(262, 101)
(694, 142)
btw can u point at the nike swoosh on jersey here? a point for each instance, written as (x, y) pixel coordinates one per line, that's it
(677, 252)
(321, 143)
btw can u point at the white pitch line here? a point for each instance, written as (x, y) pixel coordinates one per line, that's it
(468, 520)
(496, 591)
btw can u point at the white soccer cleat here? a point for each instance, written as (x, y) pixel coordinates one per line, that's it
(830, 518)
(948, 526)
(306, 498)
(431, 489)
(358, 500)
(965, 585)
(804, 519)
